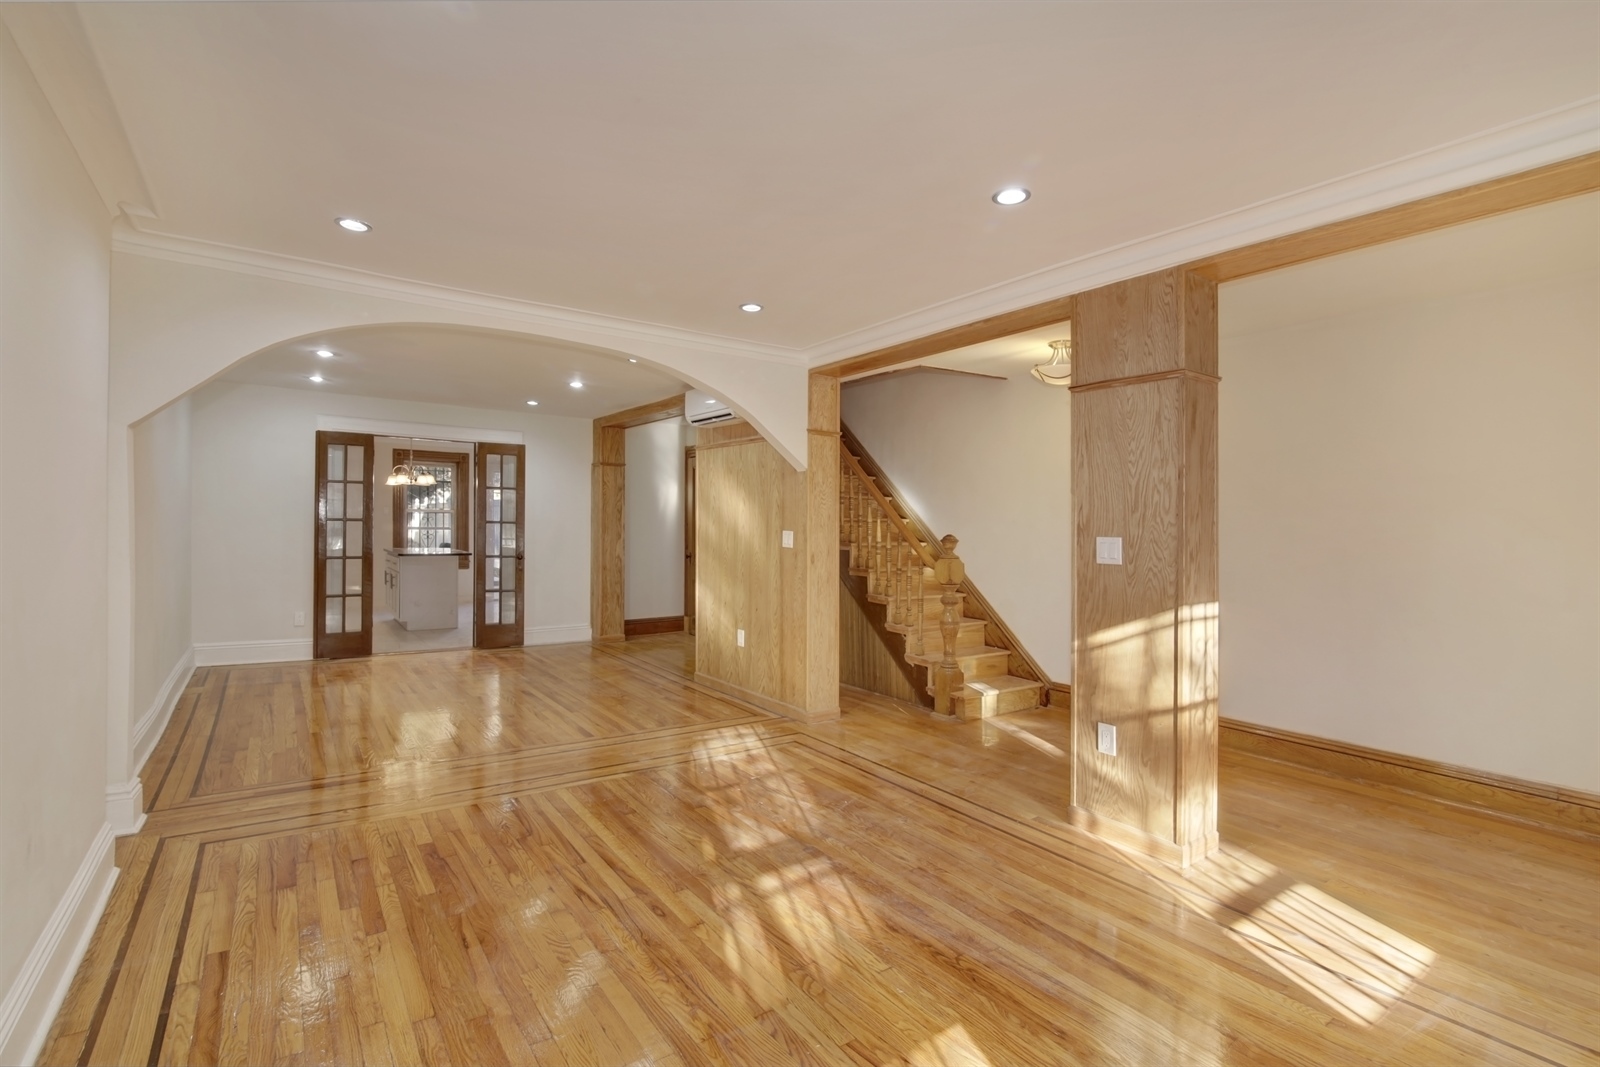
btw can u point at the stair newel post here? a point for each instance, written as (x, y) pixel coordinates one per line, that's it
(948, 571)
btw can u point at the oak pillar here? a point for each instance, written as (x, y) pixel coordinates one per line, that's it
(607, 509)
(1144, 459)
(822, 548)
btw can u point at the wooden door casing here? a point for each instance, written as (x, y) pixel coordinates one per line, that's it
(688, 541)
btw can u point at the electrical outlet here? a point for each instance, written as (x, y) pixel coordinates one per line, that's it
(741, 638)
(1106, 741)
(299, 618)
(788, 539)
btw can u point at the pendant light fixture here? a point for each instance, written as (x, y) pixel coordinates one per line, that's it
(1058, 371)
(407, 473)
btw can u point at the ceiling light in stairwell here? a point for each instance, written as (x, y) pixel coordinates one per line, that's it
(1011, 196)
(752, 308)
(354, 225)
(1058, 370)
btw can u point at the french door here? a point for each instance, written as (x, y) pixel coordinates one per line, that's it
(497, 597)
(342, 578)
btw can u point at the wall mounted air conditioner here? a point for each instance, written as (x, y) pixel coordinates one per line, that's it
(703, 409)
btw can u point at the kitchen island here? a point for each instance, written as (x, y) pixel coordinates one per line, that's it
(420, 584)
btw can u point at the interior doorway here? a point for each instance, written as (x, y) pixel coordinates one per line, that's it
(420, 545)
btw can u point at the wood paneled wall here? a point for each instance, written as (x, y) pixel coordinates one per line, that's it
(1144, 455)
(784, 599)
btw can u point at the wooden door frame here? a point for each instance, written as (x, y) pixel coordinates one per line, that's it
(607, 513)
(323, 644)
(690, 473)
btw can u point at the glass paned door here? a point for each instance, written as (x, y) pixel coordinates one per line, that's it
(497, 576)
(342, 579)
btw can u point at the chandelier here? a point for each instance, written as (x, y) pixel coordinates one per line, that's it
(407, 473)
(1058, 371)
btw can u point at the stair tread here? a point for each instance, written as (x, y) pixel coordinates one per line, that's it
(1006, 683)
(938, 657)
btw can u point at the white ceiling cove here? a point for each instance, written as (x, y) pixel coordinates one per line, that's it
(456, 365)
(664, 162)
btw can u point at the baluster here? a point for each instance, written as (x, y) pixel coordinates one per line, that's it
(898, 594)
(948, 684)
(878, 576)
(922, 606)
(861, 527)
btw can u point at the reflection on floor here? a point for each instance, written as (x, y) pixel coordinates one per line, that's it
(390, 636)
(576, 855)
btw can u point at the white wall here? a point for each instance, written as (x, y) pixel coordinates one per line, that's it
(252, 500)
(653, 481)
(1410, 511)
(54, 279)
(162, 635)
(990, 462)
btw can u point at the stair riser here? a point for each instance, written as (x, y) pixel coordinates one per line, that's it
(1004, 703)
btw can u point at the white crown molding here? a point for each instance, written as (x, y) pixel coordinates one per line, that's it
(30, 1005)
(139, 242)
(1563, 133)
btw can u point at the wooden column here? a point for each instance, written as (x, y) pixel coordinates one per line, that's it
(606, 530)
(1144, 463)
(822, 549)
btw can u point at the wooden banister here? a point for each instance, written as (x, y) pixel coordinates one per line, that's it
(895, 521)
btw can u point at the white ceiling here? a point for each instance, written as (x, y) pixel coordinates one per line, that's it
(667, 161)
(456, 365)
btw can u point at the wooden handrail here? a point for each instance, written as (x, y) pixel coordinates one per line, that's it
(928, 558)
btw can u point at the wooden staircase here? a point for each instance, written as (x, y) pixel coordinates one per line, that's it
(919, 581)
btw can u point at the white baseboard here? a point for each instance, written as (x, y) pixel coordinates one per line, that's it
(125, 807)
(233, 653)
(147, 731)
(556, 635)
(30, 1005)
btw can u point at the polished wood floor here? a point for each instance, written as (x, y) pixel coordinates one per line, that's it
(575, 855)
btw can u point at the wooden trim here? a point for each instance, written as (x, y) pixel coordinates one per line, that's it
(346, 644)
(973, 333)
(501, 634)
(1058, 694)
(1142, 379)
(1548, 805)
(670, 407)
(661, 624)
(461, 537)
(1558, 181)
(763, 703)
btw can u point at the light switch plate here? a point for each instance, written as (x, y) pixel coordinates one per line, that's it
(1108, 550)
(741, 638)
(299, 618)
(788, 539)
(1106, 741)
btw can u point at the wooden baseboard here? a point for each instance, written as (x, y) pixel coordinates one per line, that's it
(665, 624)
(765, 703)
(1537, 802)
(1136, 840)
(1057, 695)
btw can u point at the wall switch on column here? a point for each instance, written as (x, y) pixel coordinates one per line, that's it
(1106, 741)
(788, 539)
(741, 638)
(1108, 550)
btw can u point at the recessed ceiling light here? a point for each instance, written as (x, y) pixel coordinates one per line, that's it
(752, 308)
(1007, 197)
(325, 353)
(318, 378)
(354, 225)
(632, 360)
(711, 400)
(533, 403)
(575, 384)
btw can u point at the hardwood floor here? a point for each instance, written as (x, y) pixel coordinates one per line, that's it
(576, 855)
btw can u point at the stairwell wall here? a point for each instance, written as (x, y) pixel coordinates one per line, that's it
(989, 461)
